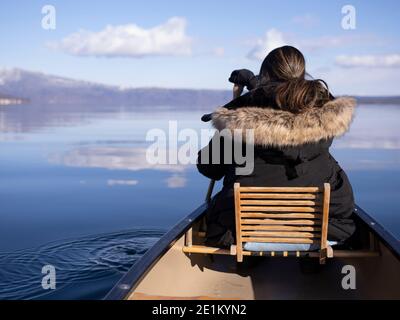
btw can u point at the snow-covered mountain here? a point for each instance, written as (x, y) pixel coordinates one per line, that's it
(48, 89)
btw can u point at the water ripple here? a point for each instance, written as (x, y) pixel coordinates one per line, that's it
(86, 267)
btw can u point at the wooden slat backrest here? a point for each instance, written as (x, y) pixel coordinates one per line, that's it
(282, 214)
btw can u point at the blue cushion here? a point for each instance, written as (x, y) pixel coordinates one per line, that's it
(264, 246)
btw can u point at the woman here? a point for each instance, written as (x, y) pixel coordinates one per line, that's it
(295, 121)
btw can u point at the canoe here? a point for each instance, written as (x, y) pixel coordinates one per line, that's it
(166, 272)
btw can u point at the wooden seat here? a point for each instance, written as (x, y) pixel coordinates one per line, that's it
(292, 215)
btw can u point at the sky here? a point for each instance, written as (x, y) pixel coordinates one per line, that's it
(197, 44)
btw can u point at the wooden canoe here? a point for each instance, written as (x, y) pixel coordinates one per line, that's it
(166, 272)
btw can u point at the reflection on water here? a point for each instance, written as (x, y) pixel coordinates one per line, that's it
(72, 171)
(122, 158)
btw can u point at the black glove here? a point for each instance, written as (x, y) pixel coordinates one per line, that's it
(207, 117)
(242, 77)
(245, 78)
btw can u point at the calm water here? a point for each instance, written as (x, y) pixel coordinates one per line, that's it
(77, 192)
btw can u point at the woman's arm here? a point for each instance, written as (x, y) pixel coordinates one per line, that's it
(212, 165)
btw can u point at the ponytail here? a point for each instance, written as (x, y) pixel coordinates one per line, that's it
(292, 91)
(297, 95)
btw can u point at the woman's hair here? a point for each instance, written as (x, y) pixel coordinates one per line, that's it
(285, 71)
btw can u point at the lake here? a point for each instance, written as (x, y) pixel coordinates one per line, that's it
(76, 191)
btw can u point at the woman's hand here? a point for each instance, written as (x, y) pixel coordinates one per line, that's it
(237, 90)
(244, 78)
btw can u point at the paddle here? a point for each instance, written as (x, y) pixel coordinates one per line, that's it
(237, 91)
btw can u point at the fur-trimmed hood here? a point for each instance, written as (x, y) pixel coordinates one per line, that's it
(279, 128)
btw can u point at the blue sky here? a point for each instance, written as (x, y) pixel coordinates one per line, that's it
(196, 44)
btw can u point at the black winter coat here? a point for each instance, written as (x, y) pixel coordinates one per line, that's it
(290, 150)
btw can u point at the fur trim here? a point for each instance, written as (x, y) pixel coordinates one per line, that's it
(274, 127)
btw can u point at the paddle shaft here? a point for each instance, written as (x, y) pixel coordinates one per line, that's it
(237, 91)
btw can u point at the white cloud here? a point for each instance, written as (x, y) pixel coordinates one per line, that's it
(130, 41)
(360, 81)
(319, 43)
(274, 38)
(369, 61)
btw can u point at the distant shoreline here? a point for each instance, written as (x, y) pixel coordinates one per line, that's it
(394, 100)
(7, 101)
(19, 86)
(189, 98)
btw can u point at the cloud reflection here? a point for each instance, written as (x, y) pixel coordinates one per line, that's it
(119, 158)
(114, 158)
(176, 181)
(112, 182)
